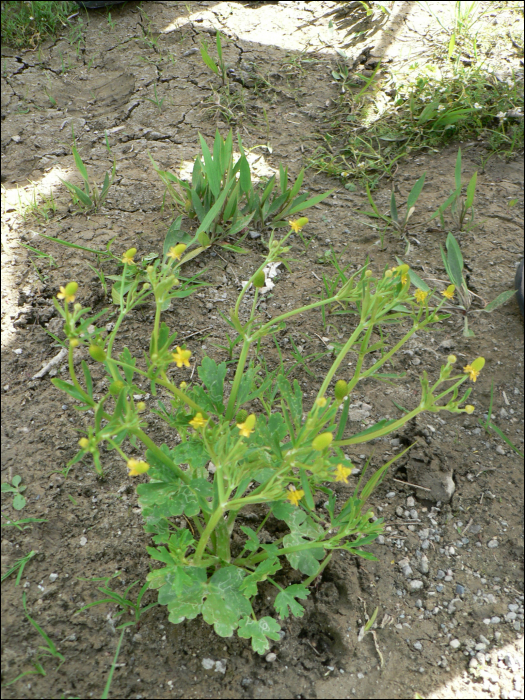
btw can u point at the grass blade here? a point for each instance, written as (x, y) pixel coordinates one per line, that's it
(455, 260)
(499, 300)
(471, 191)
(415, 192)
(457, 172)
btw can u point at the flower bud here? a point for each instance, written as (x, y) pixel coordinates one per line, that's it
(115, 387)
(478, 364)
(130, 252)
(74, 342)
(322, 441)
(403, 269)
(469, 409)
(77, 306)
(259, 279)
(71, 288)
(83, 442)
(368, 273)
(321, 402)
(451, 359)
(141, 406)
(242, 415)
(388, 274)
(146, 286)
(340, 389)
(97, 353)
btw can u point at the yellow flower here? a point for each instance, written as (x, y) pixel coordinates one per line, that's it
(141, 406)
(342, 473)
(321, 402)
(127, 258)
(295, 496)
(420, 295)
(198, 421)
(137, 467)
(183, 386)
(176, 251)
(68, 293)
(181, 357)
(473, 374)
(404, 279)
(247, 427)
(475, 368)
(298, 224)
(449, 291)
(83, 442)
(469, 409)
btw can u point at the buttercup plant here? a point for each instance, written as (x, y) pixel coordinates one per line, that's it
(227, 458)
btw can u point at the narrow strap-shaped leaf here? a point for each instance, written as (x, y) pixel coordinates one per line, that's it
(471, 191)
(306, 488)
(211, 168)
(84, 198)
(297, 184)
(393, 207)
(455, 260)
(415, 192)
(81, 168)
(457, 171)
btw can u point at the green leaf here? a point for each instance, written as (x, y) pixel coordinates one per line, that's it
(245, 179)
(211, 168)
(259, 631)
(84, 198)
(393, 207)
(125, 356)
(225, 604)
(309, 203)
(285, 602)
(208, 60)
(455, 260)
(185, 604)
(305, 485)
(294, 400)
(414, 278)
(452, 117)
(213, 376)
(451, 44)
(68, 388)
(18, 502)
(81, 168)
(428, 112)
(499, 300)
(215, 210)
(252, 544)
(415, 192)
(266, 568)
(471, 191)
(305, 559)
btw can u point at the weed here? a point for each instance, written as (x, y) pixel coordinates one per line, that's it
(459, 206)
(29, 23)
(279, 462)
(20, 564)
(221, 195)
(219, 70)
(19, 501)
(489, 426)
(49, 650)
(156, 101)
(89, 197)
(23, 524)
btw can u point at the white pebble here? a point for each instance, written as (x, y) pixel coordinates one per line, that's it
(455, 643)
(53, 577)
(270, 658)
(83, 541)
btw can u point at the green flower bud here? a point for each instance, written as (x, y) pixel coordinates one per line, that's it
(368, 273)
(259, 279)
(115, 387)
(478, 364)
(141, 406)
(322, 441)
(97, 353)
(341, 389)
(242, 415)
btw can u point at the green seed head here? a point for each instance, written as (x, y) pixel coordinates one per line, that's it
(341, 389)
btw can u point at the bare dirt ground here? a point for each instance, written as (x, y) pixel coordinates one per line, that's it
(448, 579)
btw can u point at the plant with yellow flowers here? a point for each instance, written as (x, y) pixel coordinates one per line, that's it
(246, 443)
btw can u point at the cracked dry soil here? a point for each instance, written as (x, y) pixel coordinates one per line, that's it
(448, 576)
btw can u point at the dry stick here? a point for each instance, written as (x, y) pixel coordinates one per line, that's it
(322, 341)
(407, 483)
(196, 332)
(52, 363)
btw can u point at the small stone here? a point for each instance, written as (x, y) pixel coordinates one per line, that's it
(513, 607)
(395, 442)
(423, 566)
(500, 450)
(493, 544)
(83, 541)
(16, 138)
(410, 502)
(270, 658)
(503, 413)
(423, 534)
(53, 577)
(254, 234)
(399, 512)
(406, 571)
(440, 574)
(510, 617)
(391, 494)
(480, 647)
(495, 620)
(483, 640)
(460, 590)
(208, 664)
(220, 667)
(18, 351)
(455, 643)
(416, 585)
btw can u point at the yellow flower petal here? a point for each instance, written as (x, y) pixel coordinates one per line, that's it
(473, 373)
(342, 473)
(137, 467)
(176, 251)
(246, 428)
(449, 291)
(198, 421)
(295, 496)
(181, 357)
(420, 295)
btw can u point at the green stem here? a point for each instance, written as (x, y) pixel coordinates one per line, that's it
(356, 440)
(73, 376)
(262, 330)
(342, 354)
(325, 563)
(210, 527)
(239, 373)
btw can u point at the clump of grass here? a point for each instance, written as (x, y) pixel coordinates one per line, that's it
(26, 24)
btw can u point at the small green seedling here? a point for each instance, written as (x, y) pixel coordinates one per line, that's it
(220, 69)
(14, 487)
(49, 650)
(460, 207)
(22, 524)
(18, 566)
(488, 425)
(156, 101)
(398, 224)
(89, 197)
(453, 262)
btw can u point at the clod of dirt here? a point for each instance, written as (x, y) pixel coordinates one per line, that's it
(426, 469)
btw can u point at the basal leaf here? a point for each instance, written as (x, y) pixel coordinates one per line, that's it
(213, 376)
(259, 631)
(285, 602)
(266, 568)
(225, 604)
(306, 560)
